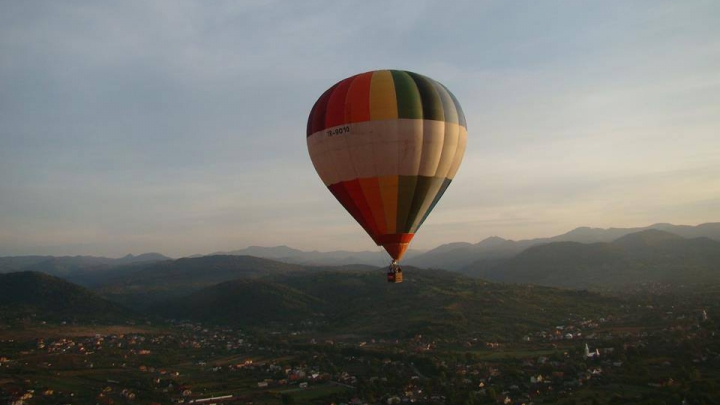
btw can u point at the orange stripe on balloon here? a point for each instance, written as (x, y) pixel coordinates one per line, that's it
(396, 244)
(396, 238)
(371, 189)
(357, 103)
(389, 194)
(396, 250)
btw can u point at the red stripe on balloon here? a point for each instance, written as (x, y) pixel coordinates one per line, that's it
(341, 194)
(347, 200)
(355, 190)
(335, 113)
(316, 121)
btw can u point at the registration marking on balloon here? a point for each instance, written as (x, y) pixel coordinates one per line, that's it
(387, 144)
(344, 129)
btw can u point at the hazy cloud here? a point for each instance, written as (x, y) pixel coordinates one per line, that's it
(178, 126)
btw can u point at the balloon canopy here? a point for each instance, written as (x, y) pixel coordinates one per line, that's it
(387, 144)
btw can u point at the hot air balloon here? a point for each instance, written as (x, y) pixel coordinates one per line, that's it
(387, 144)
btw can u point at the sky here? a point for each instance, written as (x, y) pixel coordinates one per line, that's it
(179, 126)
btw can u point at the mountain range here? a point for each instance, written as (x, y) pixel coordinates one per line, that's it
(456, 256)
(582, 258)
(73, 266)
(247, 290)
(451, 256)
(316, 258)
(645, 257)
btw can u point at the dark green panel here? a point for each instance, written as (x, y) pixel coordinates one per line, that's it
(408, 96)
(431, 102)
(422, 194)
(451, 114)
(446, 183)
(406, 191)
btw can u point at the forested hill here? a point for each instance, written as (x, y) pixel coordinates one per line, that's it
(50, 298)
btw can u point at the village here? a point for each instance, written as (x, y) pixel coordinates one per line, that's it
(184, 362)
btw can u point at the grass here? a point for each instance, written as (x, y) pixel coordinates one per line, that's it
(53, 331)
(312, 392)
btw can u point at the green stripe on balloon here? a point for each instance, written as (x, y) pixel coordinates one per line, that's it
(408, 96)
(446, 183)
(431, 103)
(423, 193)
(406, 191)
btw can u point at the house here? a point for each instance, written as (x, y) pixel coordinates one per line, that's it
(591, 355)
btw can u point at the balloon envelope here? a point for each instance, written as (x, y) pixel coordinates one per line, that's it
(387, 144)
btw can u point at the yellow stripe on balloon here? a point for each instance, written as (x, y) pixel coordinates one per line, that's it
(383, 101)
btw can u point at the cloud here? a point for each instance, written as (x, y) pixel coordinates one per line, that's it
(177, 126)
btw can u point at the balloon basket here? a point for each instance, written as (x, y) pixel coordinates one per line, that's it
(394, 274)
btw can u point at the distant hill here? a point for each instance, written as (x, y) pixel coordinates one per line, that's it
(141, 258)
(315, 258)
(72, 266)
(51, 298)
(647, 256)
(456, 256)
(362, 302)
(169, 279)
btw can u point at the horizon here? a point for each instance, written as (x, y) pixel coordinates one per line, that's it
(378, 250)
(181, 127)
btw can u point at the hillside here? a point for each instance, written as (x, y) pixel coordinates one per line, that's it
(362, 302)
(51, 298)
(170, 279)
(245, 301)
(650, 256)
(456, 256)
